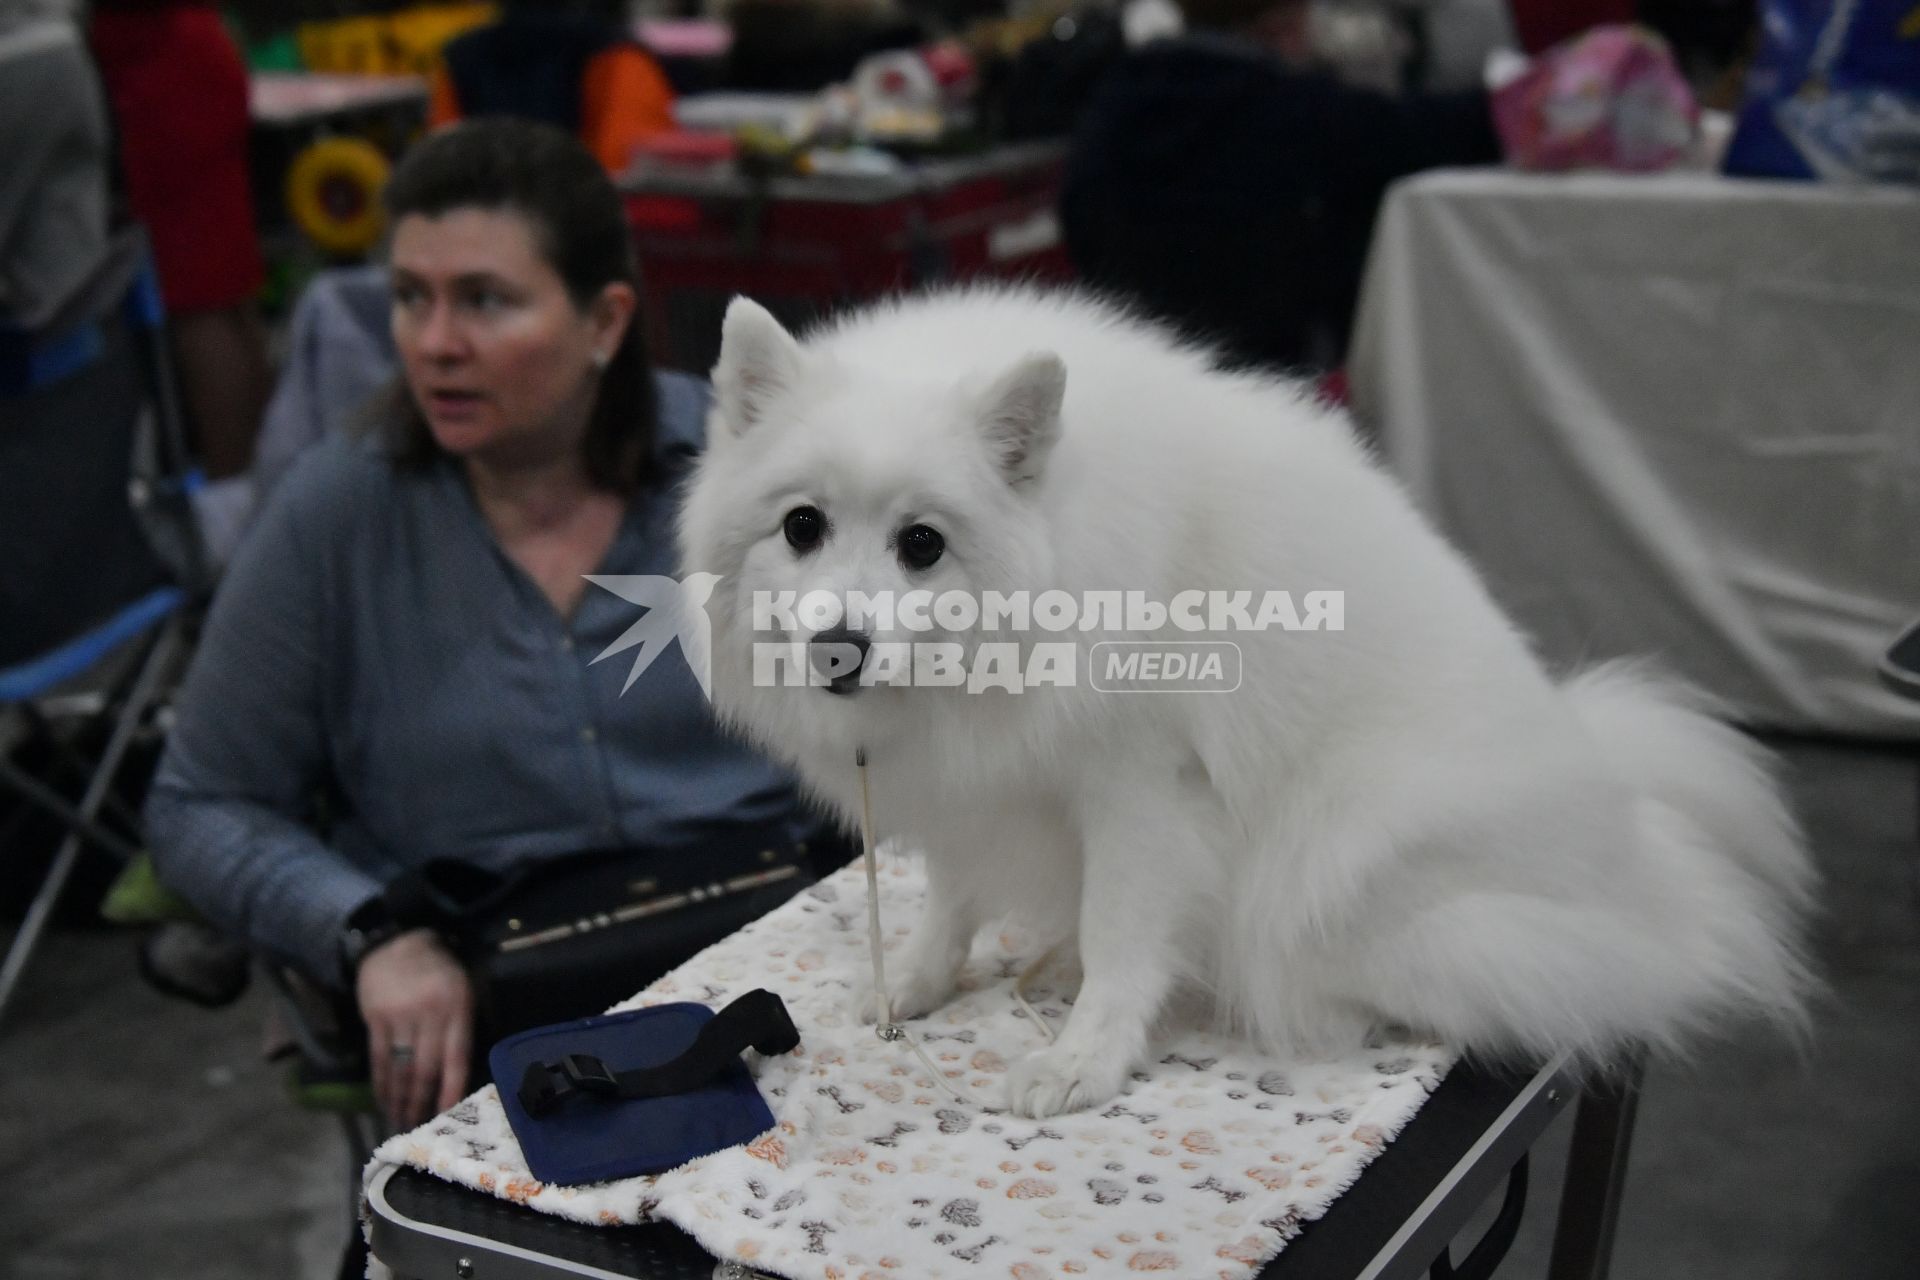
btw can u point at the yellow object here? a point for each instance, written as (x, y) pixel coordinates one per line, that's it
(344, 46)
(415, 35)
(397, 44)
(137, 897)
(333, 194)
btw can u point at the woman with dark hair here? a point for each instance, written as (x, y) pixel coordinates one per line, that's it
(408, 631)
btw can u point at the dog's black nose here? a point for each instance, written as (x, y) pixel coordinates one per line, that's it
(838, 654)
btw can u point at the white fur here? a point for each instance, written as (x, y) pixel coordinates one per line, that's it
(1404, 822)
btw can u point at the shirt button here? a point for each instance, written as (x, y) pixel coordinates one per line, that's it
(588, 734)
(566, 644)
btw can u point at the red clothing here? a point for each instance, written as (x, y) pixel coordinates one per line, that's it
(178, 92)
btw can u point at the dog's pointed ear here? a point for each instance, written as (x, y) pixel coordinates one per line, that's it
(1020, 414)
(758, 360)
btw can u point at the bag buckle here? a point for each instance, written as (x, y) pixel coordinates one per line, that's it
(588, 1074)
(546, 1084)
(542, 1088)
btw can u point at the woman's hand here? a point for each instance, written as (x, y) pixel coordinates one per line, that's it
(418, 1007)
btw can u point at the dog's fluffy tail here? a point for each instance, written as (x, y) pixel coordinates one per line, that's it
(1596, 932)
(1599, 938)
(1717, 844)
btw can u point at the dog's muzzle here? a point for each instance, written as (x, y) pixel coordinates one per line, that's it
(838, 654)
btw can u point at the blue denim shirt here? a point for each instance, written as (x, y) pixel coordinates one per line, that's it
(372, 640)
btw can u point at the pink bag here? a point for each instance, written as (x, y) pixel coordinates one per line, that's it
(1611, 99)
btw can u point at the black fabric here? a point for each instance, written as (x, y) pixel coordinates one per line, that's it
(757, 1020)
(1235, 196)
(73, 547)
(783, 47)
(528, 64)
(573, 937)
(1045, 88)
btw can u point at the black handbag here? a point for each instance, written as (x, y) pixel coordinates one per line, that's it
(569, 938)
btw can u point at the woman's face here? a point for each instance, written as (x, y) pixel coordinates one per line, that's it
(501, 362)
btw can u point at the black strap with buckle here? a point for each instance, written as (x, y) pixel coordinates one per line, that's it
(757, 1020)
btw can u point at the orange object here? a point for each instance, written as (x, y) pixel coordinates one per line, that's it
(624, 100)
(443, 104)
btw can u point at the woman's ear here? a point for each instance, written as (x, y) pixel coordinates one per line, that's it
(611, 313)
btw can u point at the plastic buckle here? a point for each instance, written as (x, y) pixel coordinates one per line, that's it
(588, 1074)
(543, 1088)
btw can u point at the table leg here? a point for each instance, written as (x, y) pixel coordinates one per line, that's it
(1596, 1173)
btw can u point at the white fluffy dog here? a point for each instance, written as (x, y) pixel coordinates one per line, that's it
(1406, 821)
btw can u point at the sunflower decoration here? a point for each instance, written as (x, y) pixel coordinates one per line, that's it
(333, 194)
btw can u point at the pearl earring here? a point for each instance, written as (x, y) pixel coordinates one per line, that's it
(601, 360)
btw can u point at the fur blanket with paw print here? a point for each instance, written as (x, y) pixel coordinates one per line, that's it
(1205, 1166)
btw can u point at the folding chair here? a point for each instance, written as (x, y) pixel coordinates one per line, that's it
(103, 567)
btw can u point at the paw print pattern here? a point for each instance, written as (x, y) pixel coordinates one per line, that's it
(1274, 1084)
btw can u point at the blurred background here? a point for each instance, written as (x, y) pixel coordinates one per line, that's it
(1626, 293)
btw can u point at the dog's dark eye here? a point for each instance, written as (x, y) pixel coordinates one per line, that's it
(920, 546)
(805, 526)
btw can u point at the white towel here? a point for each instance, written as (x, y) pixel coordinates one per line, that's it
(1205, 1166)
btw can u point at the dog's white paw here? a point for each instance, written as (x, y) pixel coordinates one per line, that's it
(917, 991)
(1050, 1081)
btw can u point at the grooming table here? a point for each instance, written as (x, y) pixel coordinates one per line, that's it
(1214, 1157)
(1473, 1133)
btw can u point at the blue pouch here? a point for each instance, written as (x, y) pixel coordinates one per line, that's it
(1834, 93)
(638, 1092)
